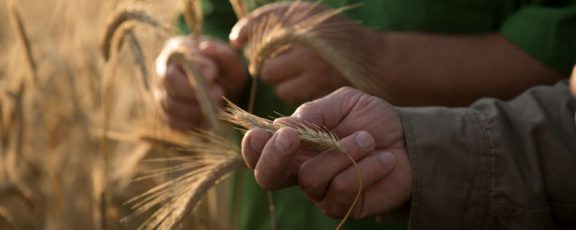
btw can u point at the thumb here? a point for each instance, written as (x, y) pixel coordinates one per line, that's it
(238, 36)
(330, 110)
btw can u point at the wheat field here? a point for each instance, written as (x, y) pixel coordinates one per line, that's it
(73, 124)
(83, 144)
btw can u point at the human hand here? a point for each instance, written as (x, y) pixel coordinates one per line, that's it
(573, 81)
(372, 134)
(298, 73)
(222, 68)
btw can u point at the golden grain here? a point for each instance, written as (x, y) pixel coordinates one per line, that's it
(126, 15)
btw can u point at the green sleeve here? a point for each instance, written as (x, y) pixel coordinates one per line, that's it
(546, 33)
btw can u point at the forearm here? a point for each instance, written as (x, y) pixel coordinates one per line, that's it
(428, 69)
(495, 165)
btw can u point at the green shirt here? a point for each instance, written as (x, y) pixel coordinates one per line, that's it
(545, 29)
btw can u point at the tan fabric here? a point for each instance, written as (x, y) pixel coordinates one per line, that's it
(495, 165)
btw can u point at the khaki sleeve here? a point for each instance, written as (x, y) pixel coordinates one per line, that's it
(495, 165)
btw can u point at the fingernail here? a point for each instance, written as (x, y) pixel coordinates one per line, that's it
(234, 33)
(387, 158)
(365, 141)
(282, 143)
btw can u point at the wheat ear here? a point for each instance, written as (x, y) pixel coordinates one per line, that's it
(271, 36)
(193, 16)
(208, 163)
(310, 134)
(121, 17)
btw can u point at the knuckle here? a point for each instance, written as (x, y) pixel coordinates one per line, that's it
(334, 211)
(267, 74)
(173, 73)
(342, 186)
(346, 90)
(264, 181)
(306, 182)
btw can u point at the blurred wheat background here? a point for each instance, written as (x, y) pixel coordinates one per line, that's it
(74, 126)
(83, 144)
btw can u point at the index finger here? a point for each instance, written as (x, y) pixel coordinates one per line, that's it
(241, 32)
(329, 111)
(274, 169)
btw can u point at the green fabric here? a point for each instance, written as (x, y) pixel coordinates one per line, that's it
(543, 28)
(547, 33)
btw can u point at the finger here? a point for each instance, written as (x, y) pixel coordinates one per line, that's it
(240, 33)
(252, 145)
(182, 124)
(573, 81)
(222, 55)
(315, 175)
(329, 111)
(304, 87)
(274, 169)
(230, 66)
(189, 110)
(205, 65)
(283, 66)
(177, 84)
(344, 187)
(185, 110)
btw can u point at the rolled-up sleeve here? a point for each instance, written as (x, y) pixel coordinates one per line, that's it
(546, 33)
(495, 165)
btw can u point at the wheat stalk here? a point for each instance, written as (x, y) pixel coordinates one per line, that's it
(193, 16)
(139, 57)
(24, 39)
(15, 146)
(240, 8)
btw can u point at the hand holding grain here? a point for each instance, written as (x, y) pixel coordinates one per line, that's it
(370, 131)
(221, 67)
(300, 73)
